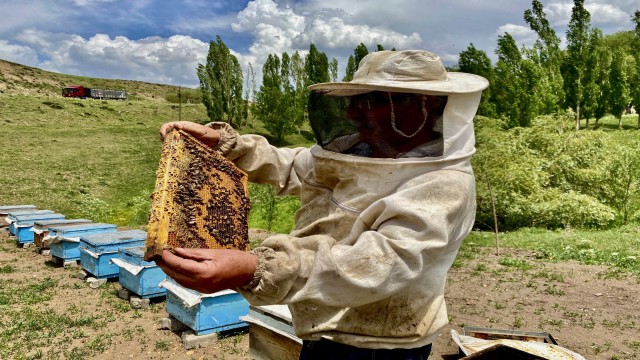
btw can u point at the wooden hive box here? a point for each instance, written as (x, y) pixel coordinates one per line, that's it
(23, 224)
(205, 313)
(6, 209)
(65, 239)
(200, 200)
(41, 229)
(139, 276)
(97, 250)
(11, 216)
(271, 334)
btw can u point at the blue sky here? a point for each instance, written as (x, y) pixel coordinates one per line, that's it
(163, 41)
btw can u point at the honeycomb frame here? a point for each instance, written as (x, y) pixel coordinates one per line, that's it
(200, 200)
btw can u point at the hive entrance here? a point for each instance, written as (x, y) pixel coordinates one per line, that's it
(200, 199)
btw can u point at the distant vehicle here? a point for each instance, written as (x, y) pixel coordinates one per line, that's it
(79, 91)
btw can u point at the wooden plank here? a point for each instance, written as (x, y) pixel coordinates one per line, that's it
(266, 344)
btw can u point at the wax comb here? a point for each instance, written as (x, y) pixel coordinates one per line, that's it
(201, 199)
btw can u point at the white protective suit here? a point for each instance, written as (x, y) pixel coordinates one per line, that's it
(374, 238)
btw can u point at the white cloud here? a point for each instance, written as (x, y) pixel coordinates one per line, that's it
(18, 53)
(607, 13)
(335, 33)
(521, 34)
(170, 60)
(267, 12)
(559, 13)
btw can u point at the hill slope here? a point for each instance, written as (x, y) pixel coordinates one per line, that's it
(25, 80)
(82, 157)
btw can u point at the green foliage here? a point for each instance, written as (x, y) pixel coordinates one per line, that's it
(359, 53)
(271, 212)
(350, 70)
(550, 176)
(316, 66)
(477, 62)
(275, 104)
(184, 96)
(221, 84)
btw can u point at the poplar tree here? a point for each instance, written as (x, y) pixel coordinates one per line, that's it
(620, 91)
(359, 53)
(549, 55)
(221, 84)
(477, 62)
(273, 102)
(316, 66)
(635, 81)
(350, 70)
(574, 66)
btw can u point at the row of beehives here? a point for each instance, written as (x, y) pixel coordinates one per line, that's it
(106, 253)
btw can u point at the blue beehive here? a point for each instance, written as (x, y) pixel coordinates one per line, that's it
(22, 224)
(205, 313)
(11, 216)
(138, 276)
(40, 229)
(96, 251)
(66, 238)
(6, 209)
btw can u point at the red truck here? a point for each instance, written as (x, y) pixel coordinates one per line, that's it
(79, 91)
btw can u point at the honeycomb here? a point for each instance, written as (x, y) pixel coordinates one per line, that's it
(201, 199)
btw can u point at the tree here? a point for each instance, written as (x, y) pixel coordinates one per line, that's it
(316, 66)
(274, 105)
(574, 65)
(333, 69)
(359, 53)
(620, 91)
(635, 81)
(593, 88)
(221, 84)
(549, 55)
(477, 62)
(350, 70)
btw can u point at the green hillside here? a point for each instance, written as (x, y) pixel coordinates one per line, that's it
(82, 157)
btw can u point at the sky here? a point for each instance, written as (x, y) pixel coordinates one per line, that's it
(163, 41)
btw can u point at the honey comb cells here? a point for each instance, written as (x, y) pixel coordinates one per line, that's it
(200, 199)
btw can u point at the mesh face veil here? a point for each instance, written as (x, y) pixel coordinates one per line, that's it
(378, 124)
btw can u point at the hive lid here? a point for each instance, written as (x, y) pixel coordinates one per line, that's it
(118, 237)
(13, 214)
(201, 199)
(34, 217)
(52, 222)
(80, 227)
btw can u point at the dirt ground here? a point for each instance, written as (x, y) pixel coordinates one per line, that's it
(588, 309)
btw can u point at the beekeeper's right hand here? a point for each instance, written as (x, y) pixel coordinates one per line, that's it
(205, 134)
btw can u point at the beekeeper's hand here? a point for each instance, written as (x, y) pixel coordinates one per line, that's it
(205, 134)
(209, 270)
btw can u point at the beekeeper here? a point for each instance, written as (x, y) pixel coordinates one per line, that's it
(387, 196)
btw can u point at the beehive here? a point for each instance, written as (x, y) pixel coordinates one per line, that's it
(200, 199)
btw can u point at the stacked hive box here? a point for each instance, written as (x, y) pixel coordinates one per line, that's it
(65, 239)
(22, 224)
(40, 229)
(140, 277)
(97, 251)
